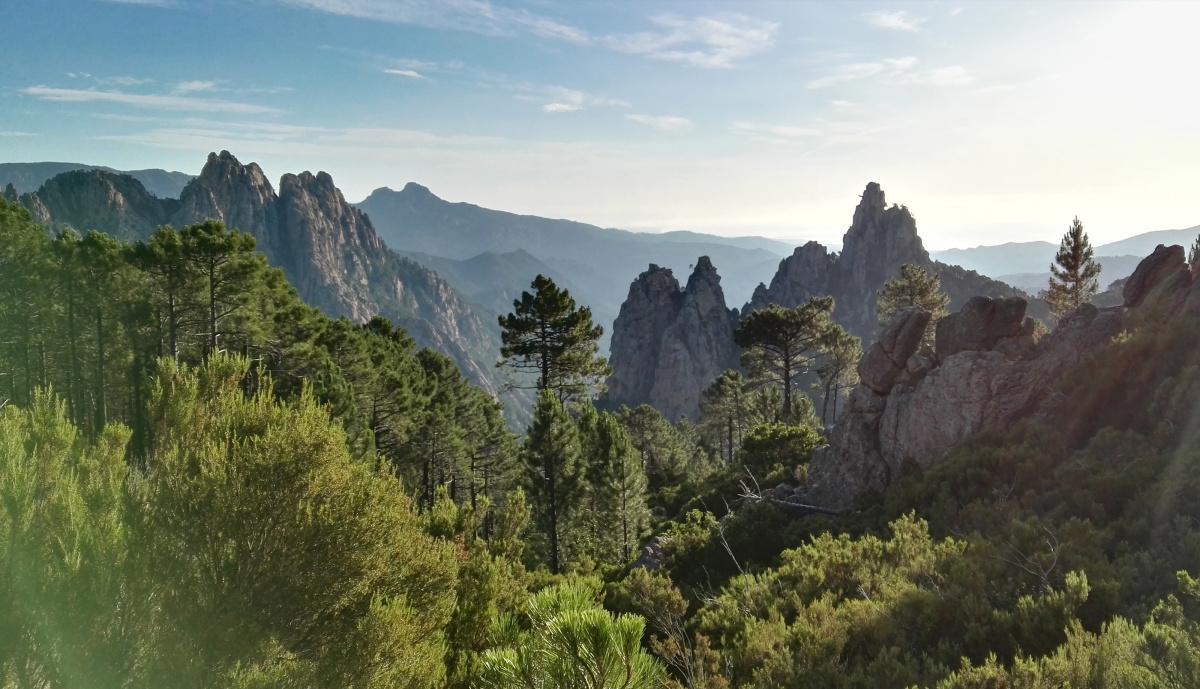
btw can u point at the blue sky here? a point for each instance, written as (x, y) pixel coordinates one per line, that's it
(992, 121)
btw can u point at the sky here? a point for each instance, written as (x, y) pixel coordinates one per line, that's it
(992, 122)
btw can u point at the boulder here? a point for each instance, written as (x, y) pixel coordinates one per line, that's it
(1164, 267)
(980, 325)
(886, 359)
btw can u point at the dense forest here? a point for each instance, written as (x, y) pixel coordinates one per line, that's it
(206, 480)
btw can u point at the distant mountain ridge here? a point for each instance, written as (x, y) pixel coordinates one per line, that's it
(1026, 264)
(28, 177)
(599, 261)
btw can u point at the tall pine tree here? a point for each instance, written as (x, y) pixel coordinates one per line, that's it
(551, 459)
(548, 334)
(1074, 273)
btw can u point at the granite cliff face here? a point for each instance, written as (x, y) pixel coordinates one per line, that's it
(327, 248)
(670, 343)
(880, 239)
(986, 374)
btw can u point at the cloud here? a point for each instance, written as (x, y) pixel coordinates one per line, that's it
(558, 99)
(147, 3)
(899, 69)
(821, 133)
(892, 66)
(476, 16)
(151, 101)
(841, 104)
(708, 42)
(663, 123)
(123, 81)
(956, 11)
(15, 134)
(953, 75)
(894, 21)
(195, 86)
(407, 73)
(777, 131)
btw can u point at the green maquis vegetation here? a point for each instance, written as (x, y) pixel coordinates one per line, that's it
(204, 483)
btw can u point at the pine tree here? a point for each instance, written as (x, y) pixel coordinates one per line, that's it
(551, 460)
(781, 344)
(1074, 273)
(619, 483)
(914, 286)
(837, 372)
(724, 413)
(547, 334)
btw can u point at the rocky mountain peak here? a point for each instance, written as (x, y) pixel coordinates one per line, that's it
(670, 343)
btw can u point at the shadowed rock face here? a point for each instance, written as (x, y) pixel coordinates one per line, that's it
(988, 375)
(670, 343)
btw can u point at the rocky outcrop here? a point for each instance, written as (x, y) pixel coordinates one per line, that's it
(670, 343)
(981, 324)
(880, 239)
(987, 375)
(885, 360)
(1163, 269)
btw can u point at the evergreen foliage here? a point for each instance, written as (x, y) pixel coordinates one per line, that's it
(914, 286)
(1074, 273)
(781, 344)
(549, 335)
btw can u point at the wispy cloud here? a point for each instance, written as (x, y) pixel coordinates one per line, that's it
(894, 21)
(777, 131)
(14, 134)
(406, 73)
(898, 69)
(123, 81)
(953, 75)
(195, 86)
(892, 66)
(663, 123)
(709, 42)
(559, 99)
(148, 3)
(717, 41)
(142, 100)
(821, 133)
(476, 16)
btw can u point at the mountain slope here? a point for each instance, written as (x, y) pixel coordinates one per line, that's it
(27, 177)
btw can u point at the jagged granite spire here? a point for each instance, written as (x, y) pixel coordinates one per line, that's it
(670, 343)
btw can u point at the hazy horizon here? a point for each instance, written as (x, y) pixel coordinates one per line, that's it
(993, 122)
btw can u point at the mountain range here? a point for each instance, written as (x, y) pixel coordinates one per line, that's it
(444, 270)
(1026, 264)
